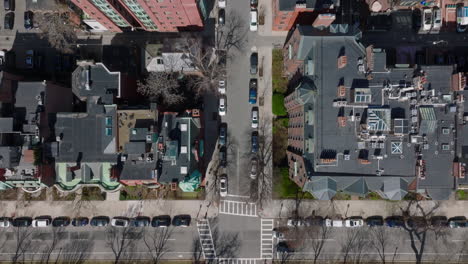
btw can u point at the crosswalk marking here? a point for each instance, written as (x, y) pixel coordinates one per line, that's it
(240, 261)
(238, 208)
(266, 238)
(206, 239)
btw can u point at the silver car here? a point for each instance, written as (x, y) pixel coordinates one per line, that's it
(254, 169)
(223, 185)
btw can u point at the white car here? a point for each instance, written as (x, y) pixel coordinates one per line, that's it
(437, 18)
(119, 222)
(223, 186)
(253, 20)
(5, 222)
(427, 19)
(354, 222)
(222, 3)
(255, 117)
(222, 87)
(295, 222)
(40, 223)
(222, 105)
(334, 223)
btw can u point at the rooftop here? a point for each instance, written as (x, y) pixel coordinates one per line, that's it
(94, 79)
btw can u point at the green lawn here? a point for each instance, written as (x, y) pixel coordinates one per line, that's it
(284, 188)
(462, 195)
(280, 83)
(278, 105)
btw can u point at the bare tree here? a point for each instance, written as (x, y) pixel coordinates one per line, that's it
(122, 241)
(197, 251)
(318, 235)
(353, 245)
(57, 29)
(381, 242)
(22, 236)
(77, 251)
(51, 245)
(264, 156)
(232, 35)
(162, 86)
(156, 242)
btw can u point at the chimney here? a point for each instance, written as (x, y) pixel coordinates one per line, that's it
(341, 91)
(342, 61)
(324, 20)
(458, 81)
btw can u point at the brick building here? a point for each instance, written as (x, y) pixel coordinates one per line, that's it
(149, 15)
(287, 13)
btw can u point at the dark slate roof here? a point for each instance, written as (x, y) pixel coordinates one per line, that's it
(6, 124)
(96, 80)
(29, 98)
(139, 171)
(324, 188)
(135, 148)
(395, 188)
(289, 5)
(9, 156)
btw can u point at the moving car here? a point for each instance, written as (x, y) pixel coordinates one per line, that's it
(222, 105)
(437, 18)
(427, 19)
(253, 63)
(375, 221)
(22, 221)
(28, 20)
(221, 17)
(161, 221)
(253, 91)
(223, 157)
(120, 222)
(61, 221)
(333, 222)
(9, 5)
(222, 3)
(254, 142)
(253, 20)
(140, 221)
(254, 117)
(100, 221)
(354, 222)
(9, 20)
(395, 221)
(222, 134)
(5, 222)
(30, 59)
(181, 220)
(222, 87)
(253, 168)
(457, 222)
(80, 221)
(40, 222)
(223, 185)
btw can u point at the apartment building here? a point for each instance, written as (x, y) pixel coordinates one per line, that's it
(149, 15)
(288, 13)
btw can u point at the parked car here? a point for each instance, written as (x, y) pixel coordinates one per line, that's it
(333, 222)
(416, 222)
(253, 91)
(22, 221)
(292, 222)
(140, 221)
(253, 168)
(254, 142)
(9, 5)
(282, 247)
(120, 222)
(100, 221)
(222, 105)
(41, 222)
(427, 19)
(28, 20)
(161, 221)
(457, 222)
(277, 234)
(222, 87)
(222, 134)
(253, 20)
(223, 185)
(314, 221)
(375, 221)
(462, 18)
(2, 58)
(254, 63)
(30, 59)
(354, 222)
(80, 221)
(61, 221)
(9, 20)
(437, 18)
(221, 17)
(439, 221)
(223, 157)
(416, 19)
(253, 3)
(181, 220)
(395, 221)
(222, 3)
(254, 117)
(5, 222)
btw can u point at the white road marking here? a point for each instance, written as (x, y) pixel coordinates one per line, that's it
(266, 238)
(240, 260)
(206, 239)
(238, 208)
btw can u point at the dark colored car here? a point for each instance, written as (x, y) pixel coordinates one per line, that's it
(100, 221)
(80, 221)
(181, 220)
(9, 5)
(254, 63)
(22, 221)
(9, 20)
(253, 3)
(223, 156)
(140, 221)
(253, 91)
(314, 221)
(254, 142)
(457, 222)
(61, 221)
(416, 222)
(282, 247)
(222, 134)
(394, 221)
(375, 221)
(439, 221)
(161, 221)
(28, 20)
(221, 17)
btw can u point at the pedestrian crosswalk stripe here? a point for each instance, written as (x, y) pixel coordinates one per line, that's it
(206, 239)
(238, 208)
(266, 238)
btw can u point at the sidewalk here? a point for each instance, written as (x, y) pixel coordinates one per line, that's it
(265, 7)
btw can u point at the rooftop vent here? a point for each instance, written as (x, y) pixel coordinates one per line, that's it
(183, 127)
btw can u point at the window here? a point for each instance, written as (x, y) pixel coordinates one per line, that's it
(281, 23)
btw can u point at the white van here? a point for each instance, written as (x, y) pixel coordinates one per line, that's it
(40, 222)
